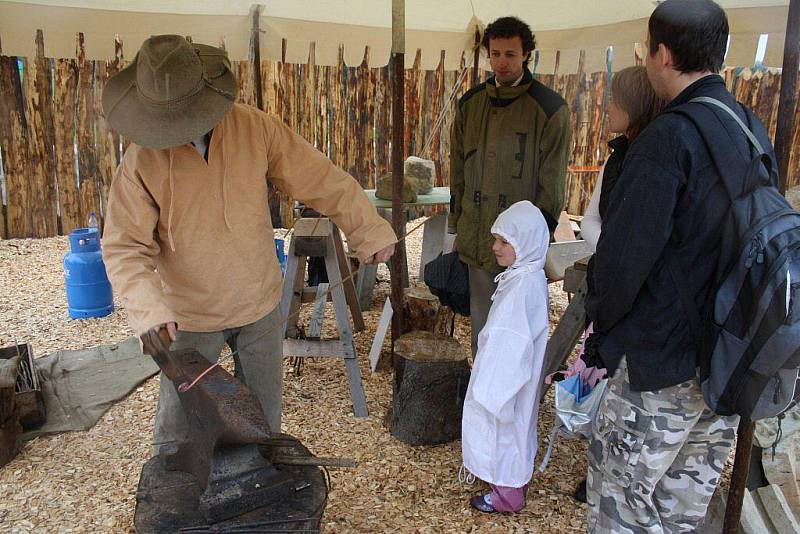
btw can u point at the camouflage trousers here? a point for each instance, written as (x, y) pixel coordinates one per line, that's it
(655, 458)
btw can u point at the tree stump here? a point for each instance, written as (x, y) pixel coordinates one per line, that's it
(430, 396)
(424, 312)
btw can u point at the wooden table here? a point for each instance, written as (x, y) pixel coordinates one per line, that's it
(435, 239)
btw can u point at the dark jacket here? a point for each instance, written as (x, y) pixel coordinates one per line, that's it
(507, 144)
(611, 171)
(668, 202)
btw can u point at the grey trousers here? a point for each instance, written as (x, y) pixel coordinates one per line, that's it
(260, 347)
(481, 289)
(655, 458)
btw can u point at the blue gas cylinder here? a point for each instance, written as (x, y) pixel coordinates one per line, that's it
(281, 255)
(88, 289)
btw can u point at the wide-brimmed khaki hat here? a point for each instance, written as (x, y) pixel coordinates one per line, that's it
(173, 92)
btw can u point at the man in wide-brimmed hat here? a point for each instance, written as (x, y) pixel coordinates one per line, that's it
(188, 241)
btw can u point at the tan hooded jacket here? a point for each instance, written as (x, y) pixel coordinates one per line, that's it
(191, 241)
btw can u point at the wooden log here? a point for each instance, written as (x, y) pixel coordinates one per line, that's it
(65, 102)
(430, 397)
(13, 142)
(308, 100)
(107, 141)
(39, 112)
(88, 170)
(424, 312)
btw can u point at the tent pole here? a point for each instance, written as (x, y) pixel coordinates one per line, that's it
(255, 53)
(784, 131)
(398, 123)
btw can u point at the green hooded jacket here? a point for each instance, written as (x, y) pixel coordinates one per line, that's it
(507, 144)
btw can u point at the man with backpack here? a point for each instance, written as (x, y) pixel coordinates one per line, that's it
(671, 234)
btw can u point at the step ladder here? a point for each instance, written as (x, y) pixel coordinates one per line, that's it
(319, 237)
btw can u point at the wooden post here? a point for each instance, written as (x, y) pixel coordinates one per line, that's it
(741, 466)
(554, 82)
(784, 131)
(39, 102)
(398, 127)
(476, 57)
(255, 54)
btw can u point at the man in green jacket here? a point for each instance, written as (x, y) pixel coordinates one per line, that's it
(510, 141)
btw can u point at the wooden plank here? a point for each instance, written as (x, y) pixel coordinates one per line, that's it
(39, 111)
(380, 334)
(349, 284)
(15, 150)
(312, 227)
(305, 348)
(383, 123)
(318, 314)
(65, 104)
(88, 171)
(307, 95)
(776, 510)
(338, 113)
(346, 336)
(751, 520)
(566, 335)
(352, 140)
(363, 122)
(310, 295)
(573, 279)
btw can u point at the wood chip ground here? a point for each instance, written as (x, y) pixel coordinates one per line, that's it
(86, 481)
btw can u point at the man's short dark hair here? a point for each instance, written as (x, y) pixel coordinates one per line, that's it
(695, 31)
(508, 27)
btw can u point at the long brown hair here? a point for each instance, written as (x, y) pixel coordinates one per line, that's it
(631, 91)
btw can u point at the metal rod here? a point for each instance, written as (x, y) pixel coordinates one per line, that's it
(741, 466)
(784, 131)
(318, 461)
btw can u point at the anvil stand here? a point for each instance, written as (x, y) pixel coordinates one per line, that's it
(231, 472)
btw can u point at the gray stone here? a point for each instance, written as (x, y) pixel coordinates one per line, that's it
(422, 172)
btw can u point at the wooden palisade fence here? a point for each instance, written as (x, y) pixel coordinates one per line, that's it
(59, 156)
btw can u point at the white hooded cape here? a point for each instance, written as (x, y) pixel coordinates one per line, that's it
(498, 438)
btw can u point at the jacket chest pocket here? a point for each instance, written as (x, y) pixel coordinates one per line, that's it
(517, 165)
(623, 439)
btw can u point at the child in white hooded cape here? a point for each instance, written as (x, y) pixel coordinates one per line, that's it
(498, 438)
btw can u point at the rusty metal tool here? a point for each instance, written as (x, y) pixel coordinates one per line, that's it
(227, 431)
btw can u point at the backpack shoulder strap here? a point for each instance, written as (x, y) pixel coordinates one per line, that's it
(727, 160)
(750, 135)
(726, 157)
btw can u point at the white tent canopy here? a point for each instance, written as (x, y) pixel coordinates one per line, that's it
(432, 26)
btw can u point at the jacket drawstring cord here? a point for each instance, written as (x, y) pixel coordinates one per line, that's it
(171, 203)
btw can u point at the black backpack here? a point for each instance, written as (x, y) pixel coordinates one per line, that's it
(448, 278)
(748, 334)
